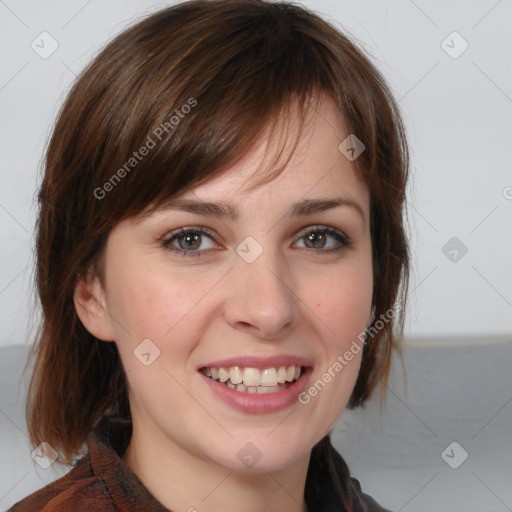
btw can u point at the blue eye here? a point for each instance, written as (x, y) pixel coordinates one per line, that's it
(187, 241)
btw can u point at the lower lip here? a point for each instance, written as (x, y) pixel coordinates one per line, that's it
(259, 403)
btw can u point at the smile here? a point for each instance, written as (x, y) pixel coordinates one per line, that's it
(253, 380)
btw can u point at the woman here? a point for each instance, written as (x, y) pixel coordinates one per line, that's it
(220, 254)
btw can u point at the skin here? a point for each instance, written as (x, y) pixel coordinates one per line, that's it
(295, 298)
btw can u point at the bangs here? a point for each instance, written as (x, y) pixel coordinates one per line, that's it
(176, 104)
(279, 129)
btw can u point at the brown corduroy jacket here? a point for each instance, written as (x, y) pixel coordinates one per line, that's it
(102, 481)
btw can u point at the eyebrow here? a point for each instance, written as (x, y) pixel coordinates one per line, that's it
(229, 210)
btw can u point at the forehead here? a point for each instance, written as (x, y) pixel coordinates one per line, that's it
(315, 164)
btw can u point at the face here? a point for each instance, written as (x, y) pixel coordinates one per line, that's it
(276, 286)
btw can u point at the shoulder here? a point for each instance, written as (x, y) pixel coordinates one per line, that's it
(78, 490)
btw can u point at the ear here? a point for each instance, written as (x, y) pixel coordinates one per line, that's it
(91, 308)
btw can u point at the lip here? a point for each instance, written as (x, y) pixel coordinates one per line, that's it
(259, 362)
(258, 403)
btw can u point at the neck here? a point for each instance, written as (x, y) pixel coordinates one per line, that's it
(183, 481)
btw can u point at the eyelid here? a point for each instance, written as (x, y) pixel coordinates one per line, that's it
(166, 240)
(327, 229)
(169, 235)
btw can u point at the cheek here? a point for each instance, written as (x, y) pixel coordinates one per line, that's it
(345, 304)
(344, 309)
(148, 300)
(150, 303)
(157, 303)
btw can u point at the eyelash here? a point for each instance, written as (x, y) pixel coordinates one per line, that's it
(344, 240)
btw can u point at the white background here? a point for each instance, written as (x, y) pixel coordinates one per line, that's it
(458, 114)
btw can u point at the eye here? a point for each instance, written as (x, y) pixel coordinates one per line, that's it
(189, 241)
(317, 238)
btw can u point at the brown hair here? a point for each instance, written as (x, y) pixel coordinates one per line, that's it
(199, 80)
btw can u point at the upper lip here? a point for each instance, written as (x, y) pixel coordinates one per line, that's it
(259, 362)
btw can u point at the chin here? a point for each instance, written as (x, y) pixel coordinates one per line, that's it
(259, 455)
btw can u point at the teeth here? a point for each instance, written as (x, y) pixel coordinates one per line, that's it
(269, 377)
(223, 375)
(268, 389)
(254, 380)
(235, 375)
(252, 377)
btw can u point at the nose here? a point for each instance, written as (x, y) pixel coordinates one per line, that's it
(261, 299)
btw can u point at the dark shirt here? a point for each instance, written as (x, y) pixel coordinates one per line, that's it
(102, 481)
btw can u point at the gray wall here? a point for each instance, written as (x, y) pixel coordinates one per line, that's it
(403, 455)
